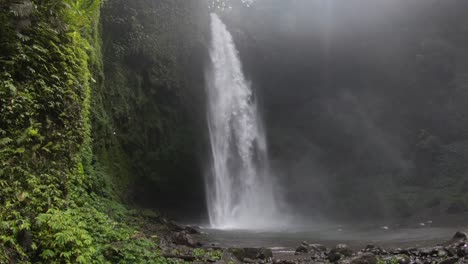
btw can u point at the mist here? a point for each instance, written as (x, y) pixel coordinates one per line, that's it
(363, 102)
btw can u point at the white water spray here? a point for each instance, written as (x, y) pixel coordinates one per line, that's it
(240, 191)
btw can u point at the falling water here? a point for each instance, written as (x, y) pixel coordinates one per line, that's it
(239, 185)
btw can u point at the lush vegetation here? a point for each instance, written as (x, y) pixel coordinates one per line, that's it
(152, 98)
(59, 191)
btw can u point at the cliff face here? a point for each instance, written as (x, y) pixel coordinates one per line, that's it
(84, 120)
(152, 98)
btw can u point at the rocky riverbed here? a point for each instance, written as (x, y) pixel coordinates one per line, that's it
(180, 244)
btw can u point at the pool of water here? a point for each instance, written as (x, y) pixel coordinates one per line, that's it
(356, 236)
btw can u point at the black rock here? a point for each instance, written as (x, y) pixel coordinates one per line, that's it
(247, 260)
(449, 261)
(339, 252)
(318, 247)
(425, 251)
(366, 258)
(302, 249)
(252, 253)
(442, 253)
(370, 247)
(182, 238)
(460, 236)
(462, 250)
(192, 230)
(175, 226)
(403, 259)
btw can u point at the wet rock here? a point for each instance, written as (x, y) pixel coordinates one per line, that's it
(339, 252)
(413, 251)
(425, 251)
(449, 261)
(451, 250)
(277, 261)
(366, 258)
(405, 251)
(301, 250)
(403, 259)
(192, 230)
(400, 259)
(318, 247)
(247, 260)
(369, 247)
(395, 251)
(462, 250)
(175, 226)
(252, 253)
(460, 236)
(182, 238)
(442, 253)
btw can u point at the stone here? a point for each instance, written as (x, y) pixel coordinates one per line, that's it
(318, 247)
(460, 236)
(252, 253)
(192, 230)
(449, 261)
(182, 238)
(366, 258)
(338, 252)
(462, 250)
(301, 250)
(403, 259)
(426, 251)
(442, 253)
(370, 247)
(175, 226)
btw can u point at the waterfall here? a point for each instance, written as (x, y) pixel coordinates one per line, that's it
(240, 187)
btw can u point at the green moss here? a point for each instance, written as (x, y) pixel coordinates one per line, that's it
(51, 170)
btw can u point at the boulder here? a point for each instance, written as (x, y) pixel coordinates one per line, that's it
(174, 226)
(252, 253)
(426, 251)
(318, 247)
(301, 249)
(338, 252)
(442, 253)
(192, 230)
(459, 236)
(462, 250)
(182, 238)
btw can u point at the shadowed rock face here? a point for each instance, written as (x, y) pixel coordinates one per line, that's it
(154, 57)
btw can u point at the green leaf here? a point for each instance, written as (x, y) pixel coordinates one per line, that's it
(46, 254)
(20, 150)
(5, 141)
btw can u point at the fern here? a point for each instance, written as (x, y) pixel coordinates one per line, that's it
(24, 9)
